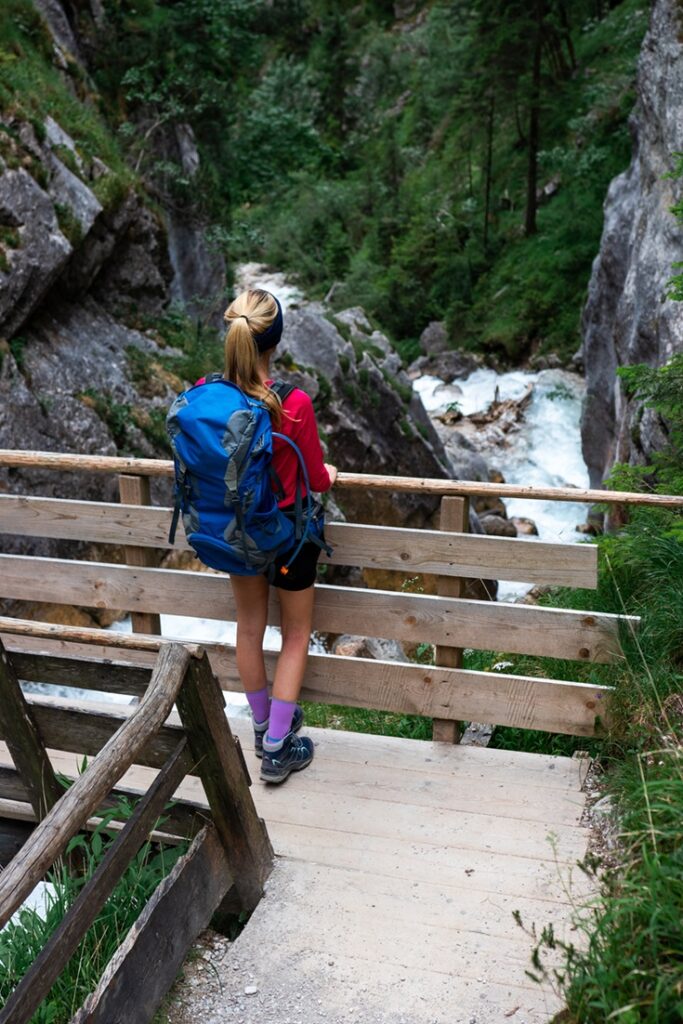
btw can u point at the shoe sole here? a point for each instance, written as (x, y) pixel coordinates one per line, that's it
(281, 778)
(259, 753)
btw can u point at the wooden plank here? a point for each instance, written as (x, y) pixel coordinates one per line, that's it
(379, 547)
(78, 803)
(532, 702)
(13, 835)
(466, 830)
(221, 768)
(81, 673)
(85, 727)
(454, 517)
(529, 702)
(459, 871)
(53, 957)
(32, 631)
(183, 819)
(25, 743)
(145, 965)
(64, 461)
(135, 490)
(515, 628)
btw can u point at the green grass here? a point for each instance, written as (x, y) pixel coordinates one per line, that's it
(32, 87)
(21, 941)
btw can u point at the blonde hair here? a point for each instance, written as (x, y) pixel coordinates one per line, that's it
(251, 313)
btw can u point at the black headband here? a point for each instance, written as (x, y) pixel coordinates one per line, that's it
(270, 337)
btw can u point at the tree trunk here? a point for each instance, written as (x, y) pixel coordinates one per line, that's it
(534, 124)
(489, 167)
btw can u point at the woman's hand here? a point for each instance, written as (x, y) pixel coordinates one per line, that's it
(332, 471)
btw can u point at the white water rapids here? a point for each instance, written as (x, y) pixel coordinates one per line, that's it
(544, 452)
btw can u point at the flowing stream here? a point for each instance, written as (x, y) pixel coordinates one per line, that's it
(544, 450)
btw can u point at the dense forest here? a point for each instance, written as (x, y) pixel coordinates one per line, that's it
(450, 163)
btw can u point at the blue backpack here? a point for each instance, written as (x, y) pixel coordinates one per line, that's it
(225, 486)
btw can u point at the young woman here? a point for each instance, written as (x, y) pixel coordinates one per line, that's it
(255, 323)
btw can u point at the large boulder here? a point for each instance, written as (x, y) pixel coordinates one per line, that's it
(628, 317)
(365, 407)
(33, 250)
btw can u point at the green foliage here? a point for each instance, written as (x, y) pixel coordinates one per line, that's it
(69, 224)
(381, 723)
(32, 86)
(17, 347)
(22, 940)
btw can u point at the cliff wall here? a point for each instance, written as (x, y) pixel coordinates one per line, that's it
(628, 317)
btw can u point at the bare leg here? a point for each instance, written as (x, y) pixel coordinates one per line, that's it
(251, 599)
(296, 619)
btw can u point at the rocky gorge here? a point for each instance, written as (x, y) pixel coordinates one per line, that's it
(91, 265)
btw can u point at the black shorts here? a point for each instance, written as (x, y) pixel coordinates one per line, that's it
(302, 572)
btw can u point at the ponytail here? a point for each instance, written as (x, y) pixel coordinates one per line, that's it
(250, 314)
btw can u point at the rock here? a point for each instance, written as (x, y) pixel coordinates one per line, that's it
(525, 527)
(628, 318)
(198, 281)
(60, 28)
(68, 191)
(496, 526)
(455, 364)
(348, 646)
(41, 251)
(434, 338)
(365, 409)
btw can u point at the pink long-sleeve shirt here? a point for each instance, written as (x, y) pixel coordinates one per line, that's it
(298, 423)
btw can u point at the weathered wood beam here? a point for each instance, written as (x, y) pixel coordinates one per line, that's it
(13, 835)
(144, 967)
(135, 490)
(46, 968)
(25, 742)
(454, 516)
(421, 485)
(182, 819)
(220, 767)
(375, 547)
(81, 674)
(86, 635)
(80, 801)
(514, 628)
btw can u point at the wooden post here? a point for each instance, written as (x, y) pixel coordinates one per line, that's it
(135, 490)
(78, 802)
(454, 517)
(53, 957)
(25, 742)
(220, 766)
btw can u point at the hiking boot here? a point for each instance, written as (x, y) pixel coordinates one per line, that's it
(261, 728)
(293, 754)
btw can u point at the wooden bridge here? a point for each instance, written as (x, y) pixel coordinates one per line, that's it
(399, 863)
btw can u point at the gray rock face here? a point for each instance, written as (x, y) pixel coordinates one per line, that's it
(71, 356)
(41, 251)
(628, 318)
(364, 404)
(198, 271)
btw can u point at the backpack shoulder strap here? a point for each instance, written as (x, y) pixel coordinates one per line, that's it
(282, 389)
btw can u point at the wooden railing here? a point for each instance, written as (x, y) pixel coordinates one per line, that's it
(445, 691)
(230, 851)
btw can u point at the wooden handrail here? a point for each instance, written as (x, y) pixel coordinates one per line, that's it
(19, 459)
(86, 794)
(90, 635)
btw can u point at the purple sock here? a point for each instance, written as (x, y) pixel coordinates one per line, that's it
(281, 714)
(259, 702)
